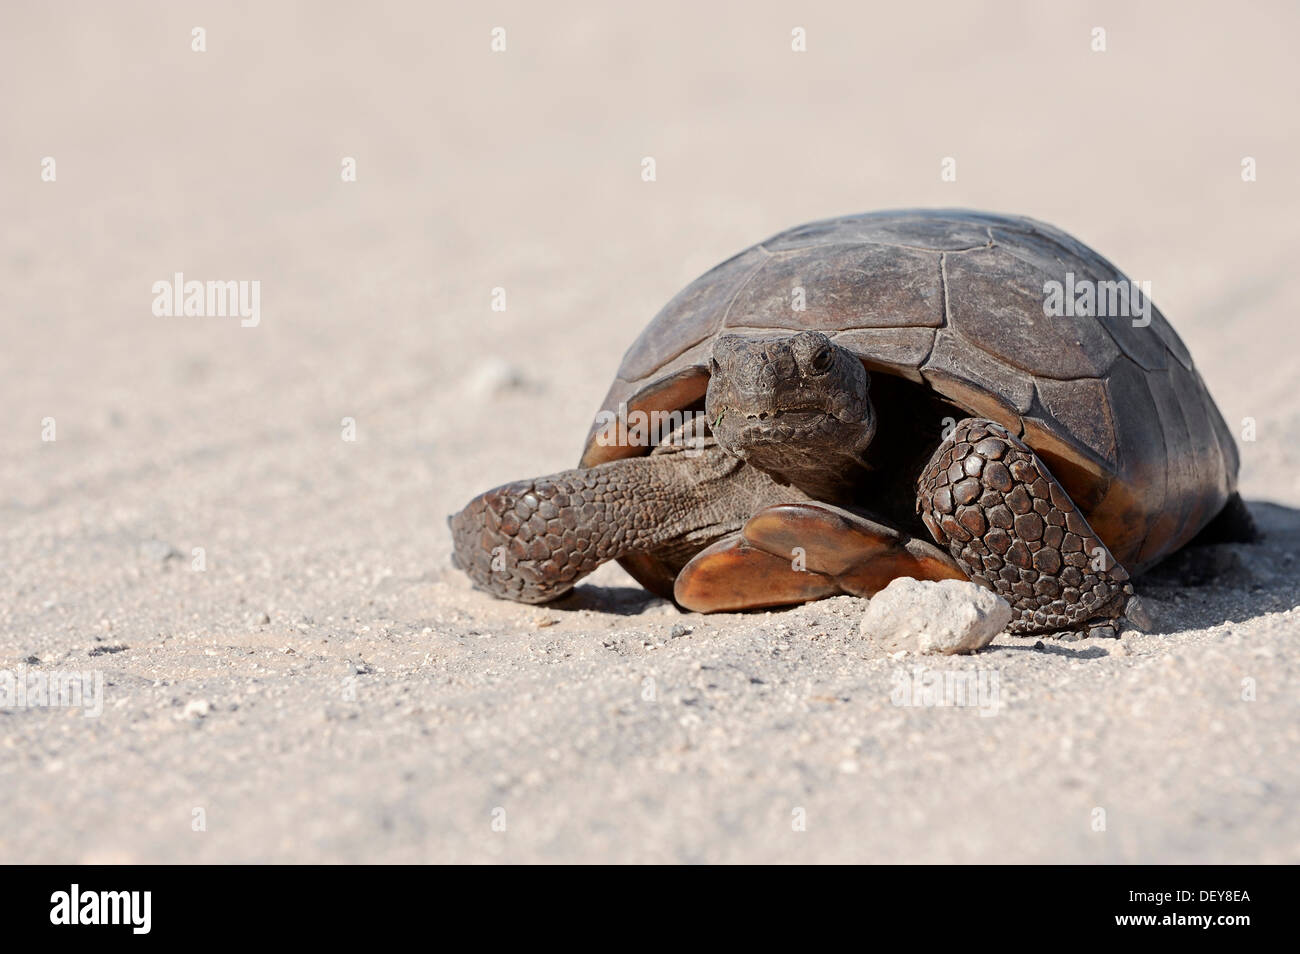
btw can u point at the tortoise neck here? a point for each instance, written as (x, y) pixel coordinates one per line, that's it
(833, 477)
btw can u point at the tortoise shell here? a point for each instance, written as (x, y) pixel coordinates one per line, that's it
(953, 300)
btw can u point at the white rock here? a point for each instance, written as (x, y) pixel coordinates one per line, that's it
(196, 709)
(925, 616)
(494, 376)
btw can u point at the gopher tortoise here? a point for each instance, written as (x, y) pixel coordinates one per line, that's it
(883, 395)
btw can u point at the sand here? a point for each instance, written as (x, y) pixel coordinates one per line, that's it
(242, 529)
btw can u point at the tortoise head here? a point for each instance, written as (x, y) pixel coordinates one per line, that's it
(795, 406)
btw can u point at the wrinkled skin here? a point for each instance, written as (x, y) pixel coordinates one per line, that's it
(795, 407)
(791, 422)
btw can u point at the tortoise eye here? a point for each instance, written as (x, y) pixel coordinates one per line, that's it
(821, 361)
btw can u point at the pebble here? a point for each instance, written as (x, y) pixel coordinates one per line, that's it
(495, 376)
(196, 709)
(158, 550)
(943, 617)
(1139, 617)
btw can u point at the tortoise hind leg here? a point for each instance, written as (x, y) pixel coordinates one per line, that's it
(796, 552)
(988, 498)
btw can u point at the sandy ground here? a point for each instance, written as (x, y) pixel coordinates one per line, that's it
(327, 687)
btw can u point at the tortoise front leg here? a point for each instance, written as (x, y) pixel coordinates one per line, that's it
(988, 498)
(532, 540)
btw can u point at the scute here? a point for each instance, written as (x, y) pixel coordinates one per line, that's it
(996, 301)
(1053, 253)
(955, 299)
(849, 286)
(1082, 408)
(1132, 507)
(977, 380)
(899, 351)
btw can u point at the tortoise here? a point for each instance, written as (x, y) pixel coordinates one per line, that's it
(884, 395)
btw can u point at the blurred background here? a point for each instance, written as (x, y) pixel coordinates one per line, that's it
(522, 170)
